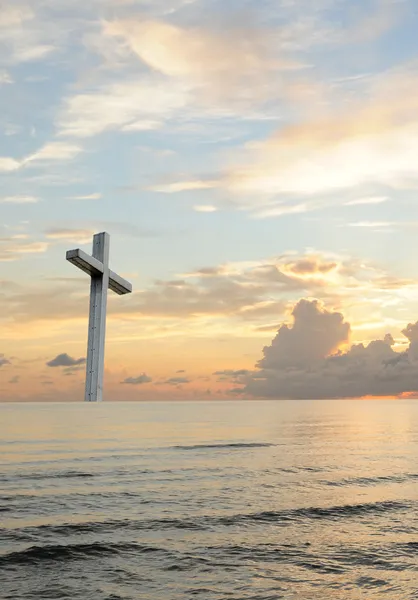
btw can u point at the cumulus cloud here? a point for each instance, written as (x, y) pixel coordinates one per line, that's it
(315, 333)
(144, 378)
(306, 360)
(64, 360)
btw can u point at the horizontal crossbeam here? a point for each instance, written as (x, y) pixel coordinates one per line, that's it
(85, 262)
(92, 266)
(118, 284)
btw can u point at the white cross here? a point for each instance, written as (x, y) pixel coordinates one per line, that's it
(102, 278)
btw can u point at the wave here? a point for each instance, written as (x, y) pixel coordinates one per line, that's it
(225, 446)
(370, 481)
(280, 518)
(49, 475)
(59, 552)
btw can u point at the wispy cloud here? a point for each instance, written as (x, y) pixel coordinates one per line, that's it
(368, 200)
(232, 61)
(184, 186)
(24, 37)
(54, 151)
(176, 381)
(5, 77)
(49, 153)
(8, 164)
(205, 208)
(19, 200)
(94, 196)
(140, 380)
(13, 248)
(372, 142)
(372, 224)
(80, 236)
(120, 106)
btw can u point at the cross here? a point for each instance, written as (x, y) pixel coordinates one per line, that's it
(102, 278)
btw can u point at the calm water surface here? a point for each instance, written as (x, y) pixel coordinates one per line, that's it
(215, 501)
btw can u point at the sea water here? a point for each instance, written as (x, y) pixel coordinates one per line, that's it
(209, 500)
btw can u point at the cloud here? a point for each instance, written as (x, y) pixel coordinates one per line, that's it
(120, 106)
(15, 247)
(316, 159)
(19, 200)
(244, 299)
(50, 152)
(367, 200)
(14, 379)
(64, 360)
(3, 361)
(232, 373)
(138, 380)
(181, 371)
(176, 381)
(94, 196)
(372, 224)
(79, 236)
(5, 77)
(231, 61)
(8, 164)
(24, 38)
(246, 295)
(205, 208)
(54, 151)
(315, 333)
(208, 296)
(305, 361)
(183, 186)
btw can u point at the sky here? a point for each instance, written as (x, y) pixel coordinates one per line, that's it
(255, 164)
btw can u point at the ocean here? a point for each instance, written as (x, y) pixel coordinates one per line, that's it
(209, 500)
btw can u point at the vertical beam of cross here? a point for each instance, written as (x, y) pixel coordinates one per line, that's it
(102, 278)
(97, 321)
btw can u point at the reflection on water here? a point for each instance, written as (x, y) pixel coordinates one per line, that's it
(231, 500)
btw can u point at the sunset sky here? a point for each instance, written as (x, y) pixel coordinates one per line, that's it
(255, 163)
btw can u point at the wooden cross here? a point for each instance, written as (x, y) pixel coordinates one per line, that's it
(102, 278)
